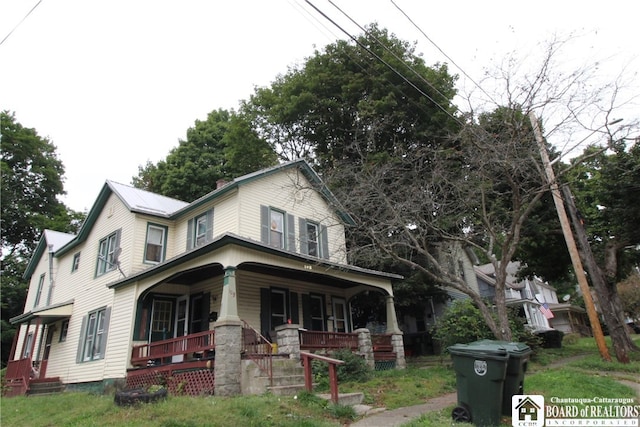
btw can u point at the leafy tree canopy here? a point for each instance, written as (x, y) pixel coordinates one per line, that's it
(347, 100)
(32, 180)
(223, 146)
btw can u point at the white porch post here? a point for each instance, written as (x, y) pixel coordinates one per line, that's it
(229, 303)
(392, 320)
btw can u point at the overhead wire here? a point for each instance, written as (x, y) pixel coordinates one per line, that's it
(442, 51)
(386, 63)
(19, 23)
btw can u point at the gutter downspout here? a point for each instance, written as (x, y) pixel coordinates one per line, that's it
(49, 296)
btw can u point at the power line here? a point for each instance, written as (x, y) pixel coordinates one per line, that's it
(21, 21)
(392, 68)
(441, 51)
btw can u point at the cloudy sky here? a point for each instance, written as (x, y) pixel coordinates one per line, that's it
(117, 83)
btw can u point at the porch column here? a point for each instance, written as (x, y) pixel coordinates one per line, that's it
(392, 320)
(228, 363)
(398, 348)
(288, 340)
(229, 303)
(365, 347)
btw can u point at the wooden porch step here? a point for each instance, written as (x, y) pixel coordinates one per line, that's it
(45, 386)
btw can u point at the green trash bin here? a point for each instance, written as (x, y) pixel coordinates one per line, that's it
(480, 374)
(519, 355)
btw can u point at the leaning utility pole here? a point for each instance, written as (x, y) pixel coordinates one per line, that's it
(571, 244)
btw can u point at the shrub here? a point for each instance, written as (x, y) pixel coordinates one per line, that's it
(354, 369)
(461, 323)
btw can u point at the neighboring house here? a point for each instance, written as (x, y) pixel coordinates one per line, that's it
(151, 281)
(537, 299)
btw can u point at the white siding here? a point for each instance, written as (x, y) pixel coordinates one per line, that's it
(289, 191)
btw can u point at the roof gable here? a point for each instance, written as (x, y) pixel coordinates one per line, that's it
(299, 164)
(50, 239)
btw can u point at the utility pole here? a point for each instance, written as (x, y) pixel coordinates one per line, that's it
(571, 244)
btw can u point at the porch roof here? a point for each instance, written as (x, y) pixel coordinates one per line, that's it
(232, 239)
(49, 314)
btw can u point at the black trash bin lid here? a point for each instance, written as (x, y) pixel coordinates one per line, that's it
(513, 348)
(489, 348)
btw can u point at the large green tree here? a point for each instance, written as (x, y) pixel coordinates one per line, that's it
(371, 95)
(221, 147)
(32, 180)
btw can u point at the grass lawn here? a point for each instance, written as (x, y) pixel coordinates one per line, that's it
(425, 377)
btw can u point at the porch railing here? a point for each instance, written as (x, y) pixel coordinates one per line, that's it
(315, 340)
(17, 376)
(200, 342)
(258, 349)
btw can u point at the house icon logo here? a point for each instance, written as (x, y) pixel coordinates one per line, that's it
(527, 410)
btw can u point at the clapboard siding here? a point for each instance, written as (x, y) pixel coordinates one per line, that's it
(289, 191)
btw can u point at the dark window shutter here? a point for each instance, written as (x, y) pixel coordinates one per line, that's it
(209, 236)
(105, 333)
(306, 311)
(143, 312)
(83, 331)
(291, 233)
(206, 307)
(302, 232)
(324, 245)
(190, 234)
(265, 312)
(264, 224)
(293, 309)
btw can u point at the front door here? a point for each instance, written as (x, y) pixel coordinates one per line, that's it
(47, 349)
(340, 313)
(181, 323)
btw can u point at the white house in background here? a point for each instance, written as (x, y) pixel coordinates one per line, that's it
(151, 282)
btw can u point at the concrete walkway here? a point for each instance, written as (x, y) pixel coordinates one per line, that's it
(400, 416)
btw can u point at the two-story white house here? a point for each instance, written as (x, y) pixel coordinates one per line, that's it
(151, 282)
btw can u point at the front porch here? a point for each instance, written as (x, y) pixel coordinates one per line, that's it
(187, 365)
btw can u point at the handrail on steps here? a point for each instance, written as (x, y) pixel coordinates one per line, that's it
(333, 376)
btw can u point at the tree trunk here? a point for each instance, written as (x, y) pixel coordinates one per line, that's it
(609, 301)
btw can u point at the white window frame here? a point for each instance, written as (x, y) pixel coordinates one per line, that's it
(160, 247)
(106, 254)
(277, 228)
(27, 348)
(200, 230)
(313, 245)
(93, 336)
(36, 302)
(76, 262)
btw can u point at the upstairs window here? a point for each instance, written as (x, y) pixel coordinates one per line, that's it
(39, 291)
(277, 228)
(76, 262)
(108, 253)
(313, 239)
(200, 230)
(156, 241)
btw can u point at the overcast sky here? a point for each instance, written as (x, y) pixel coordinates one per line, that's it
(117, 83)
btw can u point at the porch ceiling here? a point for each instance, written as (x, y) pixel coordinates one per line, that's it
(196, 275)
